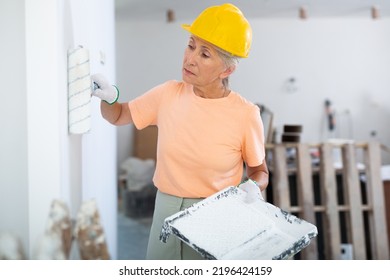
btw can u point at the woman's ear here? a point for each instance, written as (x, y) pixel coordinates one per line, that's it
(228, 71)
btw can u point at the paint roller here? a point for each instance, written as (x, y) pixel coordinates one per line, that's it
(80, 87)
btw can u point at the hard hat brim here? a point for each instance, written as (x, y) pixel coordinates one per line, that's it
(186, 27)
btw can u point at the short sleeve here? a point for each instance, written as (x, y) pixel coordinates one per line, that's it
(144, 109)
(253, 149)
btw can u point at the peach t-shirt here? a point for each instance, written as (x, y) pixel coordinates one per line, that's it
(202, 143)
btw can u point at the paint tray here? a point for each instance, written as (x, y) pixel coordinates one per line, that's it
(232, 225)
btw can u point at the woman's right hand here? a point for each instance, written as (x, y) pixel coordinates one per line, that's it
(103, 89)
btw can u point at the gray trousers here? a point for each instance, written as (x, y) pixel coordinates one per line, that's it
(165, 206)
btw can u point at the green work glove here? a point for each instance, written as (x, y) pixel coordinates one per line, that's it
(103, 89)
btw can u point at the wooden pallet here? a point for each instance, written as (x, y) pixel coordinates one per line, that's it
(352, 211)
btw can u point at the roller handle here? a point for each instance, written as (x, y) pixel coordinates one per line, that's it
(95, 86)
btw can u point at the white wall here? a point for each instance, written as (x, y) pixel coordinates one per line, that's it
(41, 162)
(93, 26)
(13, 121)
(344, 60)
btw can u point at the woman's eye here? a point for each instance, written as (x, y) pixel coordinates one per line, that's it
(206, 55)
(191, 47)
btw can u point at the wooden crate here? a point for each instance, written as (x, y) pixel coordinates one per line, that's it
(345, 208)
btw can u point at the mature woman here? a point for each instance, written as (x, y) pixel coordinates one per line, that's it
(206, 131)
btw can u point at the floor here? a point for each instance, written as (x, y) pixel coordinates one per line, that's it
(133, 234)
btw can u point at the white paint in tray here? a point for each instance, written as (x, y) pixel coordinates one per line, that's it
(228, 225)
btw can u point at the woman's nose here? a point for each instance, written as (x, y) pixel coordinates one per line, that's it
(191, 58)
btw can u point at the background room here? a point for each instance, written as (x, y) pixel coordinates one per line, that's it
(320, 65)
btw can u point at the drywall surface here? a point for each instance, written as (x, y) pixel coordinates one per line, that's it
(13, 122)
(39, 160)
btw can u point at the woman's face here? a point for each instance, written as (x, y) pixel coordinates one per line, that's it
(202, 65)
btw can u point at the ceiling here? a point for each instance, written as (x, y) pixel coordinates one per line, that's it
(189, 9)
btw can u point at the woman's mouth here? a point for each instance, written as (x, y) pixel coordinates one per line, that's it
(187, 72)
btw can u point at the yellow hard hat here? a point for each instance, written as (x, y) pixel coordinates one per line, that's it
(224, 26)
